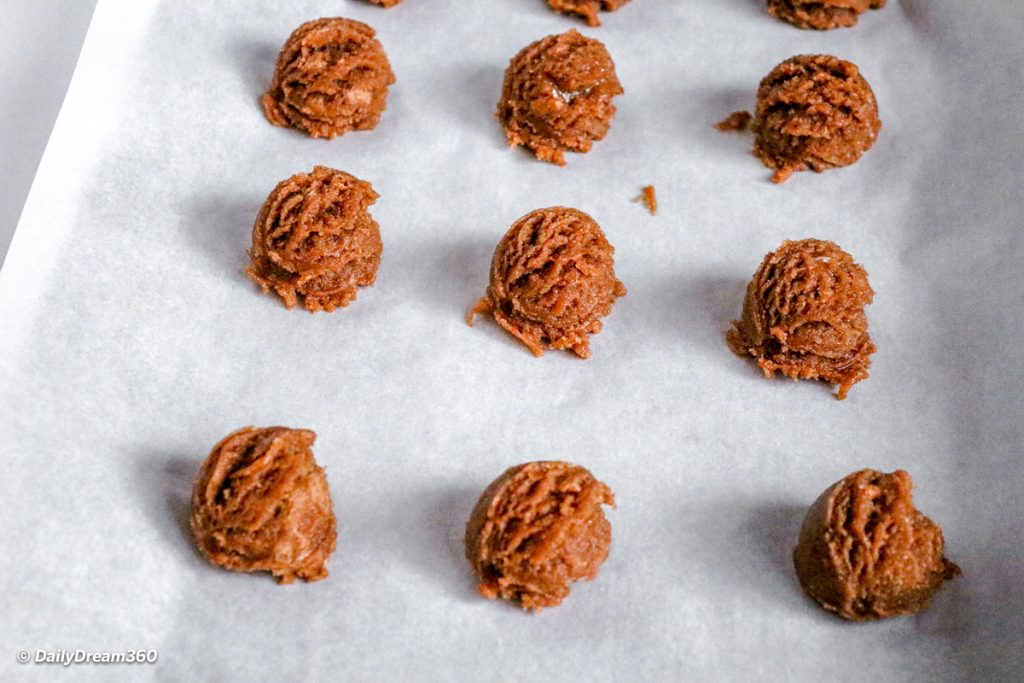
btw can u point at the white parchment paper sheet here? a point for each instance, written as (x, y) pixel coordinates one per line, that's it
(130, 343)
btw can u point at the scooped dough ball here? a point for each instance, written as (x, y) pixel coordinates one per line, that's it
(804, 315)
(587, 9)
(261, 503)
(392, 3)
(315, 240)
(814, 112)
(557, 96)
(552, 280)
(821, 14)
(865, 552)
(332, 77)
(536, 529)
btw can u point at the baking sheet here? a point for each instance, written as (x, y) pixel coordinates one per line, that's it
(130, 342)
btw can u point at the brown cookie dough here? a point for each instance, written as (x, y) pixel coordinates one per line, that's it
(865, 552)
(261, 503)
(821, 14)
(552, 280)
(649, 198)
(536, 529)
(332, 77)
(557, 96)
(736, 122)
(315, 241)
(804, 315)
(391, 3)
(587, 9)
(814, 112)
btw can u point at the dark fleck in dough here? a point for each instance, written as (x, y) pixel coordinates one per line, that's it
(804, 315)
(557, 96)
(261, 503)
(332, 77)
(552, 280)
(536, 529)
(814, 112)
(587, 9)
(821, 14)
(315, 241)
(865, 552)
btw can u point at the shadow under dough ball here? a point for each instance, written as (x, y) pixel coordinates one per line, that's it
(315, 240)
(261, 503)
(822, 14)
(536, 529)
(557, 96)
(332, 77)
(552, 280)
(865, 552)
(803, 315)
(587, 9)
(814, 112)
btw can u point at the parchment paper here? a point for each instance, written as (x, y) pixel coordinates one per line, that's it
(130, 342)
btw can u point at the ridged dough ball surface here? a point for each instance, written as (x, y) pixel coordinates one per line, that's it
(536, 529)
(332, 77)
(552, 281)
(557, 96)
(314, 241)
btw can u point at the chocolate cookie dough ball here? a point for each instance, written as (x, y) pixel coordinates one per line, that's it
(261, 503)
(315, 240)
(865, 552)
(552, 280)
(804, 315)
(821, 14)
(332, 77)
(536, 529)
(814, 112)
(392, 3)
(587, 9)
(557, 96)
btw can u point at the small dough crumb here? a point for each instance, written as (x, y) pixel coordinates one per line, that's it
(536, 529)
(261, 503)
(736, 122)
(552, 280)
(865, 552)
(557, 96)
(315, 241)
(803, 315)
(586, 9)
(332, 77)
(649, 198)
(821, 14)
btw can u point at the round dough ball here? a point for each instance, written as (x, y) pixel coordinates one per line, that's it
(552, 280)
(803, 315)
(814, 112)
(865, 552)
(557, 96)
(587, 9)
(821, 14)
(332, 77)
(315, 240)
(536, 529)
(261, 503)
